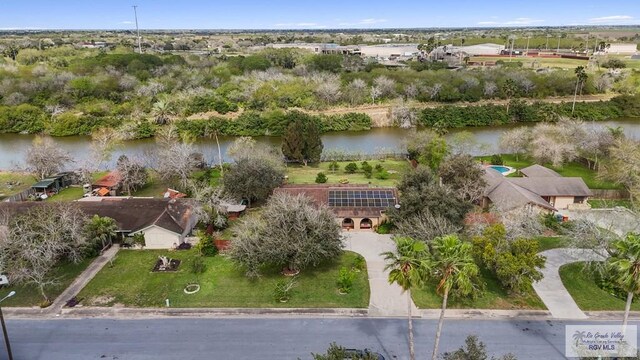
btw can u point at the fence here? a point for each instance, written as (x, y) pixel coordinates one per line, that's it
(23, 196)
(609, 194)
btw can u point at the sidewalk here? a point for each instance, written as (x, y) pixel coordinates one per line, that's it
(83, 279)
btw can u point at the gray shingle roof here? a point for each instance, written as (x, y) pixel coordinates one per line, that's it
(536, 170)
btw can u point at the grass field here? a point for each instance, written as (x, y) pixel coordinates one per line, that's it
(130, 282)
(307, 175)
(68, 194)
(551, 242)
(154, 187)
(29, 295)
(609, 203)
(572, 169)
(493, 297)
(12, 183)
(539, 62)
(589, 297)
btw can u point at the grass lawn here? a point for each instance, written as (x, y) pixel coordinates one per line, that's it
(586, 293)
(29, 295)
(14, 182)
(299, 174)
(153, 188)
(493, 297)
(568, 170)
(68, 194)
(551, 242)
(541, 62)
(130, 282)
(609, 203)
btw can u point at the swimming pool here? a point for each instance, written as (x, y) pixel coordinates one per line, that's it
(500, 168)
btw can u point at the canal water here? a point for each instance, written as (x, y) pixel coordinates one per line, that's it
(375, 141)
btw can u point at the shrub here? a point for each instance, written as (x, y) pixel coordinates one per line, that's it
(496, 159)
(551, 221)
(351, 168)
(345, 280)
(614, 64)
(321, 178)
(383, 175)
(283, 289)
(197, 265)
(358, 263)
(334, 166)
(206, 246)
(384, 228)
(379, 168)
(367, 169)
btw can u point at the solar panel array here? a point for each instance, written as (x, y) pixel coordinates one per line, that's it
(361, 198)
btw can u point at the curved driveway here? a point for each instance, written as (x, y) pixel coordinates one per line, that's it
(385, 299)
(551, 290)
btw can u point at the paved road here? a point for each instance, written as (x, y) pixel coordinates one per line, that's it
(386, 299)
(281, 339)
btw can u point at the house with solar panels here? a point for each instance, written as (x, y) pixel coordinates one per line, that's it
(356, 207)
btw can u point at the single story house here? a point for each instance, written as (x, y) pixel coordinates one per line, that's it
(166, 223)
(540, 188)
(108, 185)
(356, 207)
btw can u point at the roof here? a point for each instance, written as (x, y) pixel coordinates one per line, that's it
(536, 170)
(130, 214)
(320, 195)
(44, 183)
(173, 194)
(103, 191)
(510, 193)
(110, 180)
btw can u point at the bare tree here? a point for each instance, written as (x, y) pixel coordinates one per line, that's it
(385, 85)
(356, 91)
(375, 93)
(328, 91)
(45, 158)
(175, 161)
(523, 222)
(404, 116)
(39, 239)
(515, 141)
(426, 226)
(623, 166)
(209, 204)
(133, 175)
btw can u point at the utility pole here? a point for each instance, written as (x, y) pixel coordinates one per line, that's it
(527, 51)
(4, 328)
(135, 13)
(586, 46)
(547, 46)
(557, 51)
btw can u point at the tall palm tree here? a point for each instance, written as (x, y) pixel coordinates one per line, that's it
(581, 78)
(625, 264)
(409, 266)
(454, 268)
(161, 110)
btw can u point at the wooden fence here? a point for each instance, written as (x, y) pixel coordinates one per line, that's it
(23, 196)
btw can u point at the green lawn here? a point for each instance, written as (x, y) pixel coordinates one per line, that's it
(14, 182)
(493, 297)
(154, 187)
(299, 174)
(609, 203)
(540, 62)
(29, 295)
(130, 282)
(572, 169)
(586, 293)
(68, 194)
(551, 242)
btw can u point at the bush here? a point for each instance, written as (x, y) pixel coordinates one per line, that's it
(383, 175)
(379, 167)
(197, 265)
(359, 263)
(345, 280)
(384, 228)
(283, 289)
(321, 178)
(496, 159)
(614, 64)
(351, 168)
(334, 166)
(206, 246)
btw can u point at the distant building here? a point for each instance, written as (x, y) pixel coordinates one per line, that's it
(53, 184)
(621, 48)
(93, 45)
(108, 185)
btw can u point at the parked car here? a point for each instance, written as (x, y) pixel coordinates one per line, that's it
(365, 354)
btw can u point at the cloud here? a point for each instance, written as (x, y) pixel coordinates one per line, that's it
(370, 21)
(612, 18)
(126, 22)
(517, 21)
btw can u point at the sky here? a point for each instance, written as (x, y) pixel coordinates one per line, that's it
(312, 14)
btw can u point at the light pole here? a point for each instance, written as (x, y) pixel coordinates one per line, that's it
(135, 13)
(4, 327)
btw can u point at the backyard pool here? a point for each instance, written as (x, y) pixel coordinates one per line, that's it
(504, 170)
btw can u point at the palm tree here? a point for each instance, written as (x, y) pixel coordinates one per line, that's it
(102, 230)
(161, 110)
(625, 264)
(454, 268)
(581, 77)
(409, 266)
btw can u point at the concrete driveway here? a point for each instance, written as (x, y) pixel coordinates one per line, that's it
(386, 299)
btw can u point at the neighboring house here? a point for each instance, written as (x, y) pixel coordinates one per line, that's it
(541, 188)
(53, 184)
(355, 207)
(166, 223)
(108, 185)
(621, 48)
